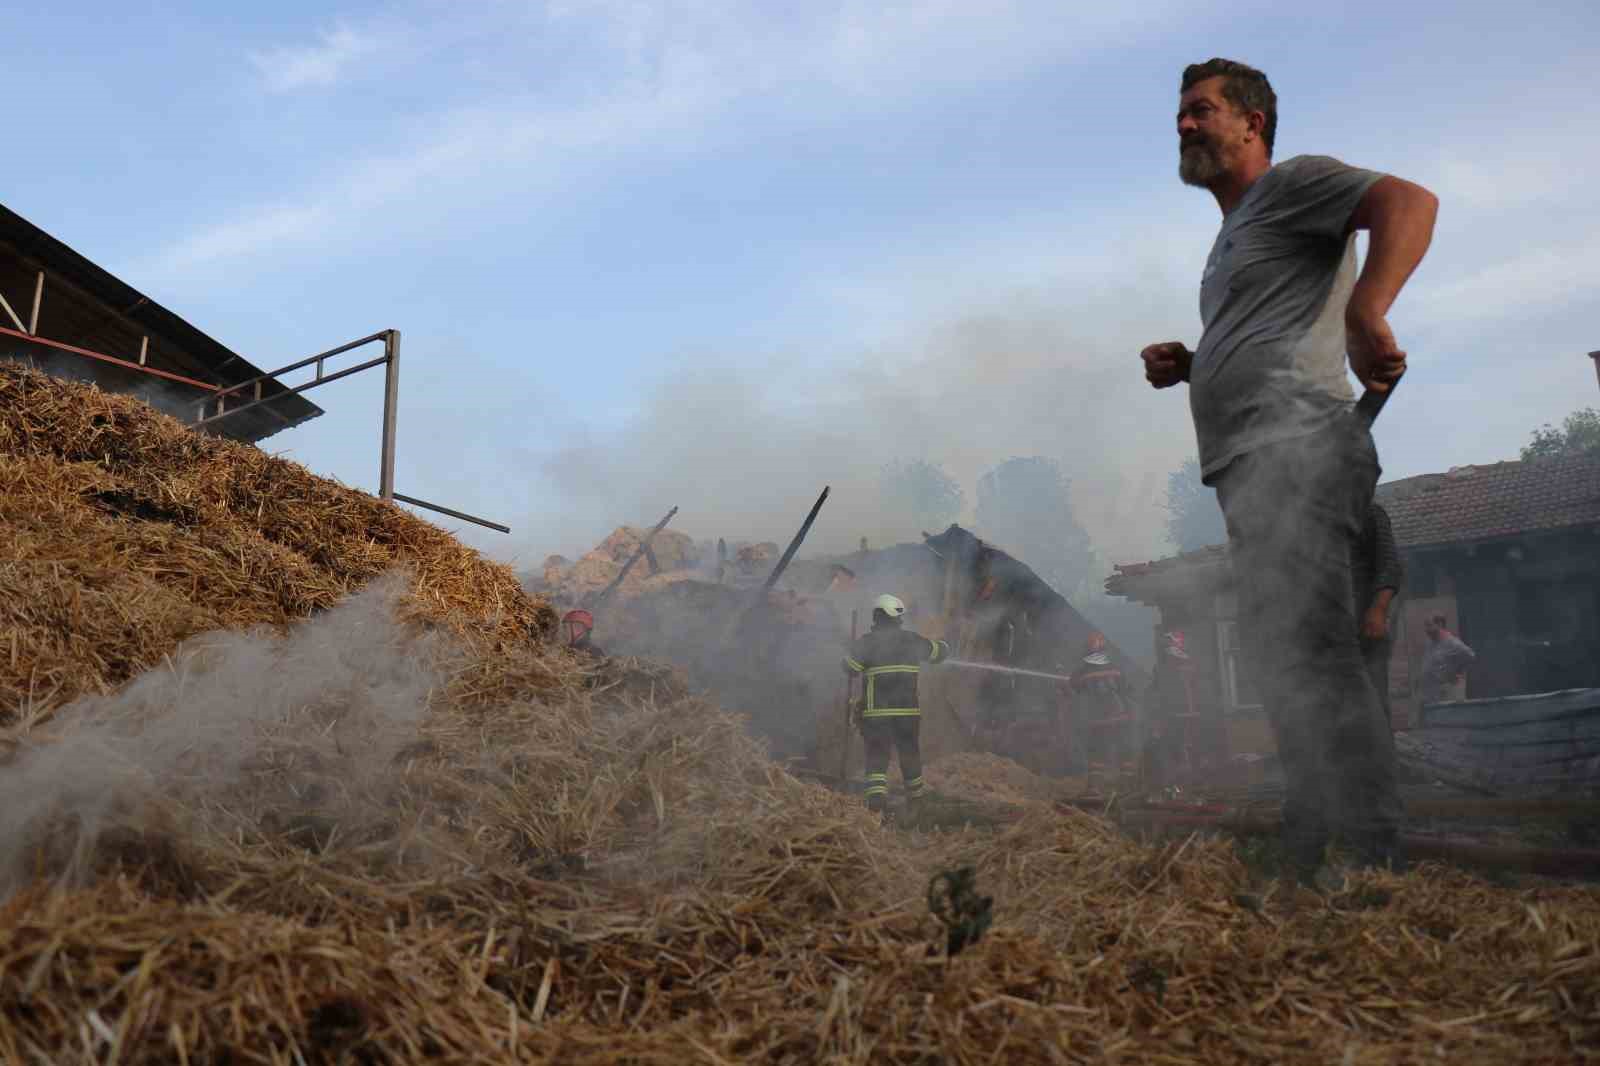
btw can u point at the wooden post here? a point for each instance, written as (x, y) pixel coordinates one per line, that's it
(849, 694)
(644, 546)
(3, 304)
(38, 295)
(144, 348)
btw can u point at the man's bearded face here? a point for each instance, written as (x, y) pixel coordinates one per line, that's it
(1200, 160)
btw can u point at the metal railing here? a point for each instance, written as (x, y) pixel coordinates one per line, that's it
(389, 360)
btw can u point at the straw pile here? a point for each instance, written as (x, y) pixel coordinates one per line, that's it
(607, 879)
(122, 533)
(982, 776)
(556, 862)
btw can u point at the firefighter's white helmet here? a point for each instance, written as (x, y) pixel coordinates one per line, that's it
(889, 605)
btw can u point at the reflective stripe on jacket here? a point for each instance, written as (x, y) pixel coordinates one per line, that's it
(889, 657)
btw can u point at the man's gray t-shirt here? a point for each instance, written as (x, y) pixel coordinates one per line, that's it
(1270, 365)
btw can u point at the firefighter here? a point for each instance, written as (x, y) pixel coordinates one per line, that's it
(579, 625)
(1101, 704)
(889, 658)
(1170, 713)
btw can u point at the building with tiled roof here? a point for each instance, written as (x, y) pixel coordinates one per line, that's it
(1482, 503)
(1509, 552)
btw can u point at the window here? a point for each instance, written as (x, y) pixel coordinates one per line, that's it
(1239, 689)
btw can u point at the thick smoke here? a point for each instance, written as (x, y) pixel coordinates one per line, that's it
(743, 449)
(345, 689)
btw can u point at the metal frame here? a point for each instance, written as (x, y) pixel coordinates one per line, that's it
(389, 360)
(86, 353)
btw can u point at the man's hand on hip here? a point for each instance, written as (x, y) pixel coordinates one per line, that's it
(1166, 364)
(1375, 357)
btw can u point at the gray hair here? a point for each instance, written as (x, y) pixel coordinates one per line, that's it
(1245, 87)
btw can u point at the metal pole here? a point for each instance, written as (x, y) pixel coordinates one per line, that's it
(391, 398)
(403, 498)
(1596, 357)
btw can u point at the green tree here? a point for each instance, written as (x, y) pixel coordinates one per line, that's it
(922, 491)
(1025, 507)
(1578, 435)
(1193, 518)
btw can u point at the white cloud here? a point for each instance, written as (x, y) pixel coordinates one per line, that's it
(292, 67)
(264, 227)
(1521, 285)
(658, 75)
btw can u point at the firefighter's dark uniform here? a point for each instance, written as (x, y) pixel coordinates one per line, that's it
(889, 658)
(1102, 710)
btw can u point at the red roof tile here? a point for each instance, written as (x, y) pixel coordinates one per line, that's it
(1483, 502)
(1470, 503)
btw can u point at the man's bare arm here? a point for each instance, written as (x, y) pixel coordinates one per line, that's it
(1399, 217)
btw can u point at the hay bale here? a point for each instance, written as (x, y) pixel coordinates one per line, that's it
(551, 573)
(673, 550)
(756, 558)
(675, 553)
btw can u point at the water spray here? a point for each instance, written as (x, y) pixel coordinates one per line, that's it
(996, 668)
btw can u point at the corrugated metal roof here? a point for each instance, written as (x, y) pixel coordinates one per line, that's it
(176, 345)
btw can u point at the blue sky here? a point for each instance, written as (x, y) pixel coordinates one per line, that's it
(718, 254)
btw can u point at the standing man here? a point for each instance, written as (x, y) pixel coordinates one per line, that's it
(890, 657)
(1444, 663)
(1294, 471)
(1376, 574)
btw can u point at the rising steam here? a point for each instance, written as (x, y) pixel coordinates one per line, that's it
(345, 690)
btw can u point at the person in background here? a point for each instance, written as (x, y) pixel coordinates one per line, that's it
(1444, 663)
(1171, 712)
(1377, 574)
(889, 658)
(579, 625)
(1102, 707)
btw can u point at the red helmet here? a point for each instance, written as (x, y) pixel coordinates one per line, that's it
(1175, 646)
(1096, 642)
(577, 624)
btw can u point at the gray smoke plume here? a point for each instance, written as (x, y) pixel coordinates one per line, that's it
(351, 684)
(743, 449)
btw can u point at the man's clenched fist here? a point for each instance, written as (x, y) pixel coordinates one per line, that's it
(1166, 364)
